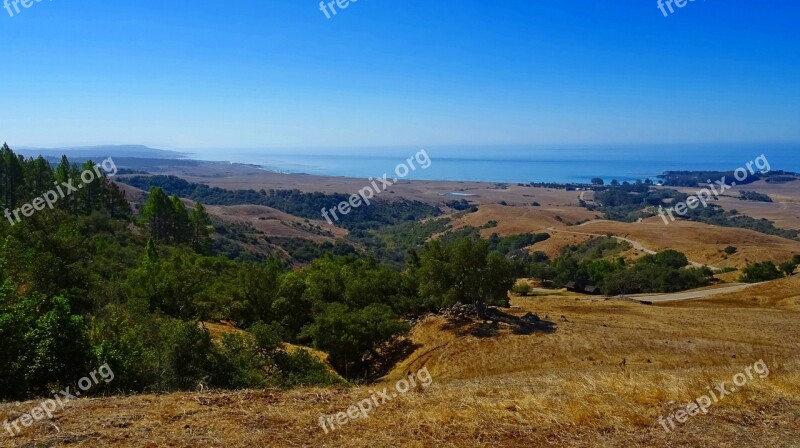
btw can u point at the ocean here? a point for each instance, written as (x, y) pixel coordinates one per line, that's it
(515, 163)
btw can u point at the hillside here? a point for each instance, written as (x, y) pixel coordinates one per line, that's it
(601, 378)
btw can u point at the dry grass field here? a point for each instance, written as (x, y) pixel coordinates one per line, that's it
(601, 377)
(277, 223)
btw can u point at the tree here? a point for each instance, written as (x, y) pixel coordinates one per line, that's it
(39, 176)
(258, 287)
(760, 272)
(672, 258)
(348, 335)
(91, 194)
(66, 174)
(45, 345)
(158, 213)
(11, 177)
(199, 223)
(788, 267)
(598, 181)
(465, 272)
(180, 221)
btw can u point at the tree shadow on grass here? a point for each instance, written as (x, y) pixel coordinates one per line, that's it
(390, 355)
(495, 321)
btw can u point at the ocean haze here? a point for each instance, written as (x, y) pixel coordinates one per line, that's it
(517, 163)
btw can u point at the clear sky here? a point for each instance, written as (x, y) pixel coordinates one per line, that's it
(257, 73)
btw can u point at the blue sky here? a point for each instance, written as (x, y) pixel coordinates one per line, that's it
(246, 73)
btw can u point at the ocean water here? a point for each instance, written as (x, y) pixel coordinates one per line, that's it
(514, 163)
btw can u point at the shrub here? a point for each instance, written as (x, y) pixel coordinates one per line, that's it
(760, 272)
(521, 288)
(300, 368)
(788, 267)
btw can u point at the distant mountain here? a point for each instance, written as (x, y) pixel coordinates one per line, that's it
(98, 152)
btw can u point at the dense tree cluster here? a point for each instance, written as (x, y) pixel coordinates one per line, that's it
(169, 221)
(381, 211)
(22, 180)
(597, 263)
(87, 283)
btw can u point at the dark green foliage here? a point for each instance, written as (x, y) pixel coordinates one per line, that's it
(788, 267)
(464, 271)
(460, 204)
(44, 344)
(347, 334)
(630, 202)
(669, 258)
(199, 233)
(700, 178)
(23, 181)
(754, 196)
(760, 272)
(716, 216)
(392, 244)
(627, 202)
(514, 243)
(300, 368)
(380, 213)
(595, 263)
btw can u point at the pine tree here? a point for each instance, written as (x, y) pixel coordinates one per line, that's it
(180, 221)
(66, 173)
(12, 177)
(90, 193)
(200, 222)
(158, 213)
(150, 254)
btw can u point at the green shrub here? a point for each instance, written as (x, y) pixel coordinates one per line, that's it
(760, 272)
(300, 368)
(521, 288)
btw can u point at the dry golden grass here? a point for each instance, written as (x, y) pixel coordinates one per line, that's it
(601, 379)
(523, 219)
(700, 242)
(277, 223)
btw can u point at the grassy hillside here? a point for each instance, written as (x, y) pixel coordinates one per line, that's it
(602, 378)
